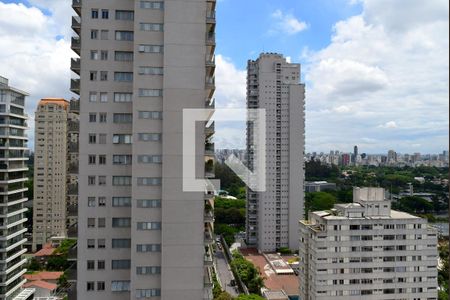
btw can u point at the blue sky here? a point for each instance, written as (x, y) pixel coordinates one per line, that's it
(376, 71)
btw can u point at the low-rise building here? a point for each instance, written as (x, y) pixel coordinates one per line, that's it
(319, 186)
(368, 251)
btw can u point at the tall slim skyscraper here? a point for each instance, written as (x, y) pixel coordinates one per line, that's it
(55, 125)
(274, 84)
(355, 154)
(13, 177)
(140, 235)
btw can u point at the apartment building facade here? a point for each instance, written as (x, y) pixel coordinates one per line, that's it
(366, 250)
(13, 177)
(274, 84)
(140, 235)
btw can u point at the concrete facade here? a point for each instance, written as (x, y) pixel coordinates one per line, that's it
(13, 177)
(365, 250)
(142, 63)
(272, 216)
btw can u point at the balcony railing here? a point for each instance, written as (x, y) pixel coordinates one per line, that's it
(74, 126)
(210, 129)
(211, 60)
(76, 5)
(76, 24)
(75, 65)
(72, 231)
(72, 189)
(211, 17)
(73, 147)
(75, 86)
(75, 105)
(72, 210)
(76, 45)
(211, 39)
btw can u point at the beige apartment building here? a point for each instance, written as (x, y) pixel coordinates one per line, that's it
(366, 250)
(13, 177)
(54, 165)
(274, 84)
(140, 235)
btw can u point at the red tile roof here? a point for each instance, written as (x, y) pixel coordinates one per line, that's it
(47, 250)
(43, 276)
(41, 284)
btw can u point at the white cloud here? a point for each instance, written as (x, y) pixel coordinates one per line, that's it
(389, 63)
(31, 56)
(287, 23)
(389, 125)
(231, 84)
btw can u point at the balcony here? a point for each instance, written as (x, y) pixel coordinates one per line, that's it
(73, 168)
(210, 130)
(76, 45)
(210, 104)
(72, 231)
(76, 5)
(209, 149)
(211, 17)
(72, 210)
(73, 253)
(75, 86)
(71, 273)
(209, 239)
(73, 147)
(211, 39)
(76, 24)
(208, 282)
(72, 189)
(75, 105)
(73, 126)
(209, 216)
(209, 262)
(75, 65)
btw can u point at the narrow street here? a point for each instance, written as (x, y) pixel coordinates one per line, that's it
(224, 274)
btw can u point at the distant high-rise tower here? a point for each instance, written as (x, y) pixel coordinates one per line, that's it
(13, 191)
(142, 63)
(355, 154)
(55, 123)
(274, 84)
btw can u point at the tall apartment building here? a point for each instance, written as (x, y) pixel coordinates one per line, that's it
(142, 62)
(73, 131)
(365, 250)
(274, 84)
(13, 176)
(56, 129)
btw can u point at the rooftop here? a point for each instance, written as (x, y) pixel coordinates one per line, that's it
(58, 101)
(43, 276)
(41, 284)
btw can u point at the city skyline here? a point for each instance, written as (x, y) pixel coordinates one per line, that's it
(396, 91)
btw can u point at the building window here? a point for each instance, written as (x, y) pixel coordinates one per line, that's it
(91, 222)
(94, 13)
(121, 243)
(149, 137)
(123, 56)
(152, 4)
(101, 222)
(91, 243)
(121, 201)
(101, 201)
(91, 264)
(148, 270)
(148, 225)
(148, 181)
(152, 115)
(151, 27)
(101, 265)
(104, 55)
(150, 93)
(151, 71)
(94, 55)
(105, 14)
(121, 180)
(102, 138)
(92, 96)
(102, 159)
(124, 35)
(94, 34)
(144, 203)
(101, 180)
(91, 159)
(92, 117)
(101, 243)
(103, 75)
(147, 293)
(125, 15)
(103, 97)
(93, 75)
(123, 97)
(151, 48)
(103, 117)
(121, 222)
(123, 76)
(121, 264)
(122, 139)
(100, 285)
(90, 286)
(91, 180)
(123, 118)
(149, 159)
(148, 247)
(104, 35)
(91, 201)
(122, 159)
(120, 286)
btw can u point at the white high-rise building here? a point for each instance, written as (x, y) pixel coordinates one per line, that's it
(274, 84)
(365, 250)
(140, 235)
(13, 178)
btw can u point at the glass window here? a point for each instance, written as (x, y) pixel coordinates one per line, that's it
(148, 181)
(149, 159)
(147, 293)
(153, 115)
(124, 35)
(144, 203)
(150, 93)
(94, 34)
(121, 243)
(121, 222)
(123, 76)
(151, 48)
(151, 27)
(104, 55)
(91, 222)
(101, 222)
(104, 34)
(122, 159)
(123, 97)
(121, 180)
(152, 4)
(101, 201)
(121, 201)
(103, 117)
(92, 117)
(94, 54)
(90, 243)
(92, 96)
(148, 225)
(103, 75)
(127, 15)
(151, 71)
(91, 201)
(122, 139)
(123, 118)
(121, 264)
(100, 285)
(120, 286)
(105, 14)
(90, 286)
(148, 247)
(123, 56)
(94, 13)
(148, 270)
(149, 137)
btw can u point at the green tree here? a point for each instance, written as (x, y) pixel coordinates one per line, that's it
(57, 263)
(318, 201)
(413, 204)
(249, 297)
(34, 265)
(224, 296)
